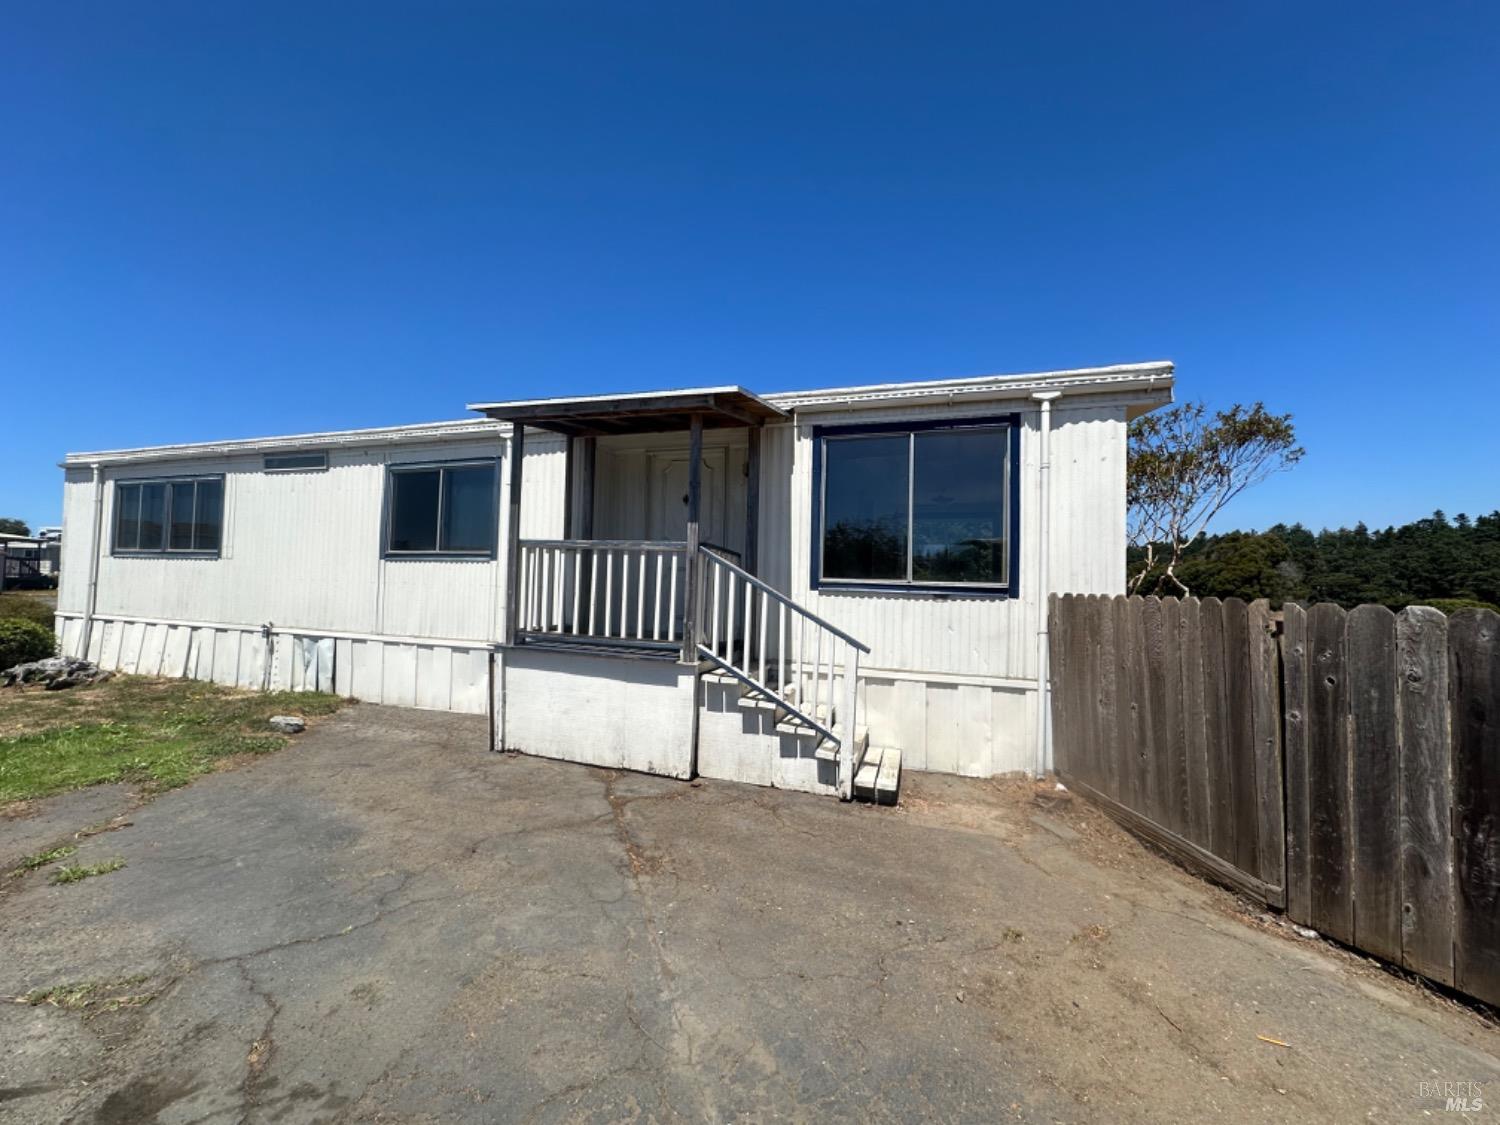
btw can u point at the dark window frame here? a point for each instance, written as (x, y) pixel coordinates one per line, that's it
(166, 550)
(1009, 588)
(392, 471)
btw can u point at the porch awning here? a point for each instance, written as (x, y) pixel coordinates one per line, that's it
(644, 412)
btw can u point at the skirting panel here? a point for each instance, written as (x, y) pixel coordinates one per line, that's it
(601, 710)
(401, 673)
(968, 729)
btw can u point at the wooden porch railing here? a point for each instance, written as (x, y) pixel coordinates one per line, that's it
(634, 594)
(613, 591)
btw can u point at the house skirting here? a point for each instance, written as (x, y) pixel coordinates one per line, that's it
(436, 674)
(621, 712)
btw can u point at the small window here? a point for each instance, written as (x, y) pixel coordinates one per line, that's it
(295, 462)
(442, 509)
(182, 516)
(925, 508)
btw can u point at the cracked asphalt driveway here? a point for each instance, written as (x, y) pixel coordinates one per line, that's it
(387, 923)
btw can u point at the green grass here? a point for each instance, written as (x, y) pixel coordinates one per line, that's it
(158, 734)
(77, 872)
(90, 995)
(41, 859)
(30, 605)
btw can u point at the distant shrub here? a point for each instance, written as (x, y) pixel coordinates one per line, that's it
(27, 607)
(1451, 606)
(24, 641)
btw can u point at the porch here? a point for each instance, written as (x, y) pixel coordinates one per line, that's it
(659, 630)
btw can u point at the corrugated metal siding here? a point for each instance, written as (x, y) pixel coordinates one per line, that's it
(927, 645)
(980, 637)
(78, 529)
(304, 549)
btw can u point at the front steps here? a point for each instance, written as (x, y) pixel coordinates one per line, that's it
(878, 778)
(877, 771)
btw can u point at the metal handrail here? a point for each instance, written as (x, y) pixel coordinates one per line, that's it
(720, 549)
(779, 700)
(786, 601)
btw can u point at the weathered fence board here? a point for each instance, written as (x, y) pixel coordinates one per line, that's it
(1265, 698)
(1154, 741)
(1474, 671)
(1241, 747)
(1345, 766)
(1426, 793)
(1127, 711)
(1107, 708)
(1194, 738)
(1216, 737)
(1294, 675)
(1328, 774)
(1174, 733)
(1161, 742)
(1374, 780)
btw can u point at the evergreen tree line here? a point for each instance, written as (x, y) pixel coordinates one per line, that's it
(1436, 561)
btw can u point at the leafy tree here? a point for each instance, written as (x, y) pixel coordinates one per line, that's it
(1429, 561)
(9, 525)
(1184, 465)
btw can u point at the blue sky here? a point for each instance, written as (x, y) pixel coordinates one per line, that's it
(224, 220)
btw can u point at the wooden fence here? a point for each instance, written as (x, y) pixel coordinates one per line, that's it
(1343, 766)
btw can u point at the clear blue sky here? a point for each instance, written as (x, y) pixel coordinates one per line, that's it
(224, 220)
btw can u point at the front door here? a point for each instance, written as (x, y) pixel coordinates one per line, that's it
(669, 496)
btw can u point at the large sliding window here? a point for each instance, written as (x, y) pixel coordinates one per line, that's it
(920, 507)
(446, 509)
(179, 516)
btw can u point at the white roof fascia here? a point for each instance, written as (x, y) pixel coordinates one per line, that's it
(464, 429)
(570, 400)
(1149, 379)
(1152, 381)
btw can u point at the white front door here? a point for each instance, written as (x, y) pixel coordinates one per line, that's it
(669, 494)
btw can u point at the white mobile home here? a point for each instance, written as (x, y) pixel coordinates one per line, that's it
(788, 589)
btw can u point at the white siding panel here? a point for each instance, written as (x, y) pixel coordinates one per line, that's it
(367, 676)
(452, 598)
(174, 654)
(398, 683)
(78, 530)
(70, 635)
(226, 665)
(470, 682)
(434, 689)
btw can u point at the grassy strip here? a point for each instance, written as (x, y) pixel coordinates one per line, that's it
(156, 733)
(41, 859)
(77, 872)
(90, 996)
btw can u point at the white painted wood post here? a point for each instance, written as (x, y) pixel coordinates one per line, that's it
(851, 722)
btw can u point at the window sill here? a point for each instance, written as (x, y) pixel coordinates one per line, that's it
(916, 589)
(165, 554)
(438, 556)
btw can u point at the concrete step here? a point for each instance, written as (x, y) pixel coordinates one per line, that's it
(879, 776)
(829, 751)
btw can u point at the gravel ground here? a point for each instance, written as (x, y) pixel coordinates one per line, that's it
(386, 923)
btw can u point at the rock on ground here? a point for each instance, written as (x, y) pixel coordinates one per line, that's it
(54, 673)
